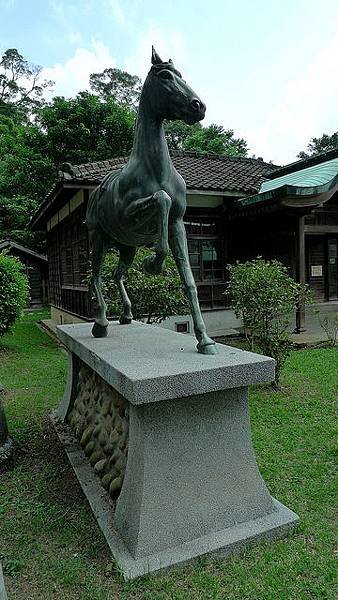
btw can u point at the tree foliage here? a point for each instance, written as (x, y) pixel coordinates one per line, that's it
(26, 174)
(85, 128)
(21, 84)
(177, 132)
(215, 140)
(264, 296)
(13, 291)
(120, 85)
(154, 297)
(25, 167)
(321, 144)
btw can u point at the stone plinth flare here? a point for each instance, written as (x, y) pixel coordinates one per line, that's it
(166, 432)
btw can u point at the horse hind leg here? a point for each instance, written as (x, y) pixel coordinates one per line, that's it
(127, 254)
(100, 327)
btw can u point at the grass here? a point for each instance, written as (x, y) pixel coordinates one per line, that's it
(51, 547)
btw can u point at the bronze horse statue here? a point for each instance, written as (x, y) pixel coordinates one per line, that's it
(143, 203)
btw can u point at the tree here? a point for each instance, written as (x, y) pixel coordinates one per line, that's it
(15, 214)
(321, 144)
(215, 140)
(26, 174)
(123, 87)
(85, 128)
(21, 84)
(154, 297)
(13, 291)
(177, 132)
(25, 168)
(264, 296)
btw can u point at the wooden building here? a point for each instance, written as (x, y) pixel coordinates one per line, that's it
(294, 218)
(36, 269)
(238, 208)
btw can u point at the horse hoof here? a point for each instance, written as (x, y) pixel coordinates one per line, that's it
(99, 331)
(209, 349)
(125, 320)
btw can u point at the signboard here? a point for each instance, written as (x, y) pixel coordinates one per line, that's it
(316, 271)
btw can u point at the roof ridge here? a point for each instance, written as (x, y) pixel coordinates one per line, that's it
(99, 162)
(303, 163)
(183, 153)
(224, 157)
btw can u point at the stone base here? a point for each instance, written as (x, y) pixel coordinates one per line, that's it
(190, 482)
(6, 451)
(216, 544)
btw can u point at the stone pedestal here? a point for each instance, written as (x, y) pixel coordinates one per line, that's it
(167, 433)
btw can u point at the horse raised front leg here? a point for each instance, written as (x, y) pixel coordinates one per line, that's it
(100, 327)
(179, 248)
(153, 265)
(127, 254)
(152, 209)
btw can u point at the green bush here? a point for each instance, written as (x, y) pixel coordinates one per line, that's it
(14, 292)
(154, 297)
(264, 296)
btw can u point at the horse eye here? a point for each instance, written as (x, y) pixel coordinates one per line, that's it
(165, 75)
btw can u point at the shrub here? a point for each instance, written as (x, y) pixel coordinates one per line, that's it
(264, 296)
(154, 297)
(13, 291)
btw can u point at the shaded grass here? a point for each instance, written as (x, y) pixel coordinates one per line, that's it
(51, 547)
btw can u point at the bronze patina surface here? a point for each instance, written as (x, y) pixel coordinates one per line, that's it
(143, 203)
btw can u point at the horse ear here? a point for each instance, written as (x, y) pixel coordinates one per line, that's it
(155, 59)
(170, 61)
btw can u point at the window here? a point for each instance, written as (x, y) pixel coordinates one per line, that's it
(207, 259)
(73, 251)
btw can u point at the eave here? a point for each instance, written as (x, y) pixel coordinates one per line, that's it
(289, 196)
(10, 244)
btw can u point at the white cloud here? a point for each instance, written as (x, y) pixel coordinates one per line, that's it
(168, 44)
(74, 37)
(117, 11)
(307, 109)
(73, 75)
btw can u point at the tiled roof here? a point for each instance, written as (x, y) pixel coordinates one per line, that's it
(209, 172)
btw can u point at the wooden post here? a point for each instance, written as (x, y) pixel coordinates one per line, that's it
(300, 271)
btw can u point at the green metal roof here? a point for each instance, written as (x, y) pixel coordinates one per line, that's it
(307, 182)
(309, 177)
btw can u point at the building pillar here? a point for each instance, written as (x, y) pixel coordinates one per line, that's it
(300, 271)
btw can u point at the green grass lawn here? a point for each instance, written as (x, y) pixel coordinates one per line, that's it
(51, 547)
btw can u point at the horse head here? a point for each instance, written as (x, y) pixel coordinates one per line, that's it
(168, 95)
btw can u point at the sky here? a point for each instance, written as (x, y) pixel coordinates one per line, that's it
(268, 69)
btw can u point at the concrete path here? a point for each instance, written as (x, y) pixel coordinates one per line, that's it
(314, 333)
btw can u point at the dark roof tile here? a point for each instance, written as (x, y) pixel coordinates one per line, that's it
(204, 172)
(201, 171)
